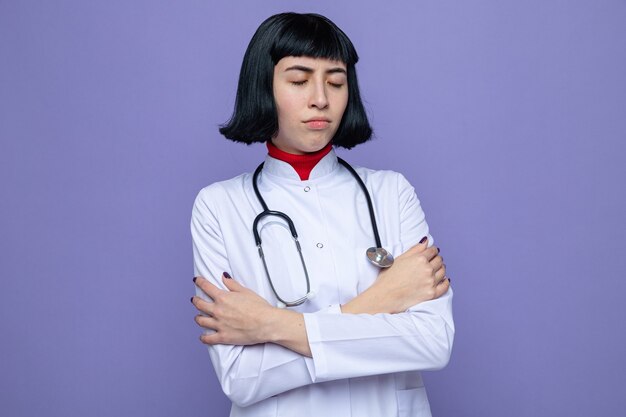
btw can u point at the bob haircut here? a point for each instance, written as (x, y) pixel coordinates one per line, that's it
(255, 118)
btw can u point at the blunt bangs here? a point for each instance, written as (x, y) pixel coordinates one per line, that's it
(255, 118)
(314, 36)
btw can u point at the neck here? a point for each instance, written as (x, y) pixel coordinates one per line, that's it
(303, 164)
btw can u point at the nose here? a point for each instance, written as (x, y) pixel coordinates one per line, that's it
(318, 96)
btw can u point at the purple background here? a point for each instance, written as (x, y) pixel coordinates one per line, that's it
(508, 117)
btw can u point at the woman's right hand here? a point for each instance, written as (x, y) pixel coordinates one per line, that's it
(417, 275)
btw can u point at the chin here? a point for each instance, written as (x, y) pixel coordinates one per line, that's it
(315, 145)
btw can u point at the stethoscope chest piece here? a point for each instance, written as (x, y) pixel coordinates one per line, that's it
(380, 257)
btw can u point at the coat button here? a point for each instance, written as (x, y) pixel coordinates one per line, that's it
(320, 245)
(307, 189)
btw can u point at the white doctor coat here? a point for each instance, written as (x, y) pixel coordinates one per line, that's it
(362, 365)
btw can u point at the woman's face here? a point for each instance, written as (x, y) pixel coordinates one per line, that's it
(311, 95)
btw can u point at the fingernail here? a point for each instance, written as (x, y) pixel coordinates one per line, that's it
(424, 239)
(438, 250)
(227, 275)
(194, 279)
(191, 300)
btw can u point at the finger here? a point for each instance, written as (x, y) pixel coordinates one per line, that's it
(419, 247)
(442, 288)
(211, 338)
(231, 284)
(436, 262)
(206, 322)
(202, 305)
(207, 287)
(430, 253)
(440, 275)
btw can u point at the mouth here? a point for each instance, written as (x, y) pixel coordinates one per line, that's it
(317, 123)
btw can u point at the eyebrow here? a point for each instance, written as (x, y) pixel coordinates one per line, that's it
(309, 70)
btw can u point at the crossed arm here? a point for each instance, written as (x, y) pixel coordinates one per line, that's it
(259, 351)
(238, 316)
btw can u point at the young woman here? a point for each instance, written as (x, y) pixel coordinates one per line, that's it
(298, 321)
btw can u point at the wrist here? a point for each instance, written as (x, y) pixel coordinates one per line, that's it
(277, 324)
(370, 301)
(287, 328)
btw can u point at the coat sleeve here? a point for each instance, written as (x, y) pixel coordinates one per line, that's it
(247, 374)
(342, 345)
(349, 345)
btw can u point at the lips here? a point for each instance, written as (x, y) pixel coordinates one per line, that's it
(317, 123)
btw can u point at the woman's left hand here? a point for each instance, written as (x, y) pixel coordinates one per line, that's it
(238, 316)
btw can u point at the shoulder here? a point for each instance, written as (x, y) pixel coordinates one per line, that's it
(383, 178)
(210, 197)
(391, 186)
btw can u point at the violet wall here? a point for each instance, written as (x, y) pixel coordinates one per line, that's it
(509, 118)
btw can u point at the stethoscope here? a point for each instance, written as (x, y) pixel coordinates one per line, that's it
(376, 255)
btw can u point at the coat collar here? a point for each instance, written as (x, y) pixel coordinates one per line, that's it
(279, 168)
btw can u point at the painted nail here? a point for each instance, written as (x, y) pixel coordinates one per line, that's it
(227, 275)
(191, 300)
(438, 250)
(423, 239)
(194, 279)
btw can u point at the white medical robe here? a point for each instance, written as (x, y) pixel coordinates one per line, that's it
(362, 365)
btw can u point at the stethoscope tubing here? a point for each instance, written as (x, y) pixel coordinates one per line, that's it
(267, 212)
(370, 205)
